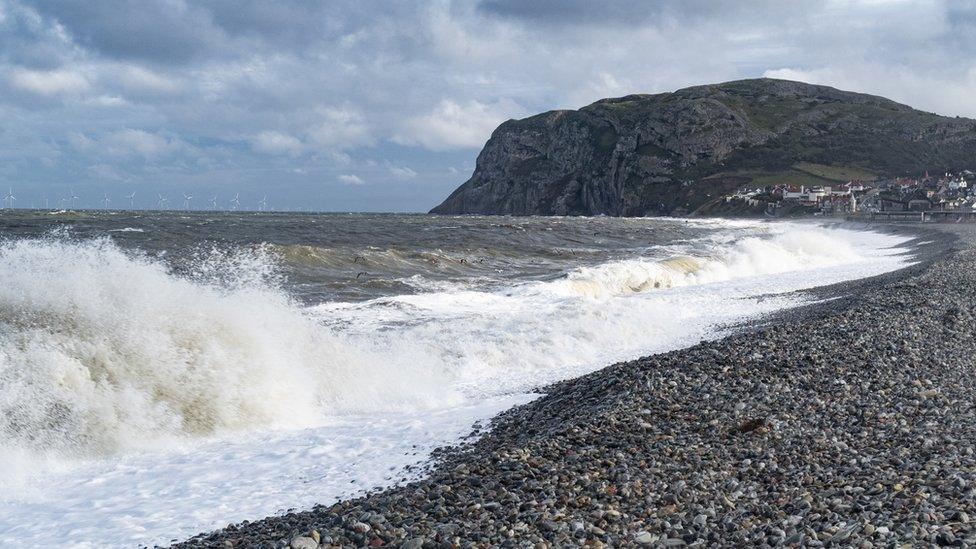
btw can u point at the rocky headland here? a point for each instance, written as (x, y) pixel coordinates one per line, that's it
(678, 153)
(846, 423)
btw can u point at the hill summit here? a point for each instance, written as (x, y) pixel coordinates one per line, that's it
(673, 153)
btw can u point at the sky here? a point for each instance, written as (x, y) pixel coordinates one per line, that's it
(384, 105)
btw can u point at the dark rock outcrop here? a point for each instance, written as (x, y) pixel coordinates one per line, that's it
(672, 153)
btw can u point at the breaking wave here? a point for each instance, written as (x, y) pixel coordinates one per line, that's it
(792, 250)
(103, 350)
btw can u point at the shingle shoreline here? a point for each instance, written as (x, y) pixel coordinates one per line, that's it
(848, 423)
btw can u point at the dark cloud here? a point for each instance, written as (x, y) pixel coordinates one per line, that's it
(148, 30)
(634, 12)
(177, 32)
(289, 22)
(962, 16)
(628, 12)
(26, 40)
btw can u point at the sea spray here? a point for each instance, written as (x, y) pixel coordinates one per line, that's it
(103, 350)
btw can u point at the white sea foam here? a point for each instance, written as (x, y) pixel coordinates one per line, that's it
(104, 353)
(103, 350)
(792, 248)
(535, 332)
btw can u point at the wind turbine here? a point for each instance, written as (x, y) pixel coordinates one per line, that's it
(61, 202)
(213, 203)
(236, 203)
(73, 197)
(263, 204)
(9, 199)
(131, 198)
(105, 201)
(186, 201)
(161, 203)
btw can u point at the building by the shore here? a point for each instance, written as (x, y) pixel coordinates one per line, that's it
(951, 192)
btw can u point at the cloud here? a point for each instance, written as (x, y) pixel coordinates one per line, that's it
(239, 93)
(81, 141)
(109, 172)
(160, 31)
(140, 143)
(350, 179)
(912, 88)
(272, 142)
(791, 74)
(340, 129)
(402, 172)
(630, 14)
(452, 125)
(134, 78)
(48, 83)
(627, 12)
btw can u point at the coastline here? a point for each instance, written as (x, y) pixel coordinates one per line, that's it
(747, 439)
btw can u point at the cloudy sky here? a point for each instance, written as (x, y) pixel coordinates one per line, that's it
(383, 106)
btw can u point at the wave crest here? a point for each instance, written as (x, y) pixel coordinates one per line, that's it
(753, 256)
(103, 350)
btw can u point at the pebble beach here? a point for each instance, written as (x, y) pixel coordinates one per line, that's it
(845, 423)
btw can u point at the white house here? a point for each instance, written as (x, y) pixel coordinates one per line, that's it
(811, 195)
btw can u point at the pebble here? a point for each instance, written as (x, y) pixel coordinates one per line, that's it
(644, 538)
(303, 542)
(845, 423)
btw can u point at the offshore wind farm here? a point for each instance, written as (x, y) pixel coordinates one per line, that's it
(73, 201)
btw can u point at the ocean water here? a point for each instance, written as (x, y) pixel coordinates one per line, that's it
(163, 374)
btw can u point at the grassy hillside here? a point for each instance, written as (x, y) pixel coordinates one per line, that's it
(802, 173)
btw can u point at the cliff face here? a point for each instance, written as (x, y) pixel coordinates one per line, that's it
(672, 153)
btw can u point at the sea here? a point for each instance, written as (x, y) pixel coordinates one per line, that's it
(168, 373)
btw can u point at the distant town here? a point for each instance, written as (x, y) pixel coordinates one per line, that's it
(946, 194)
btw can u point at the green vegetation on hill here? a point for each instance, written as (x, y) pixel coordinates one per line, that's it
(800, 174)
(834, 173)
